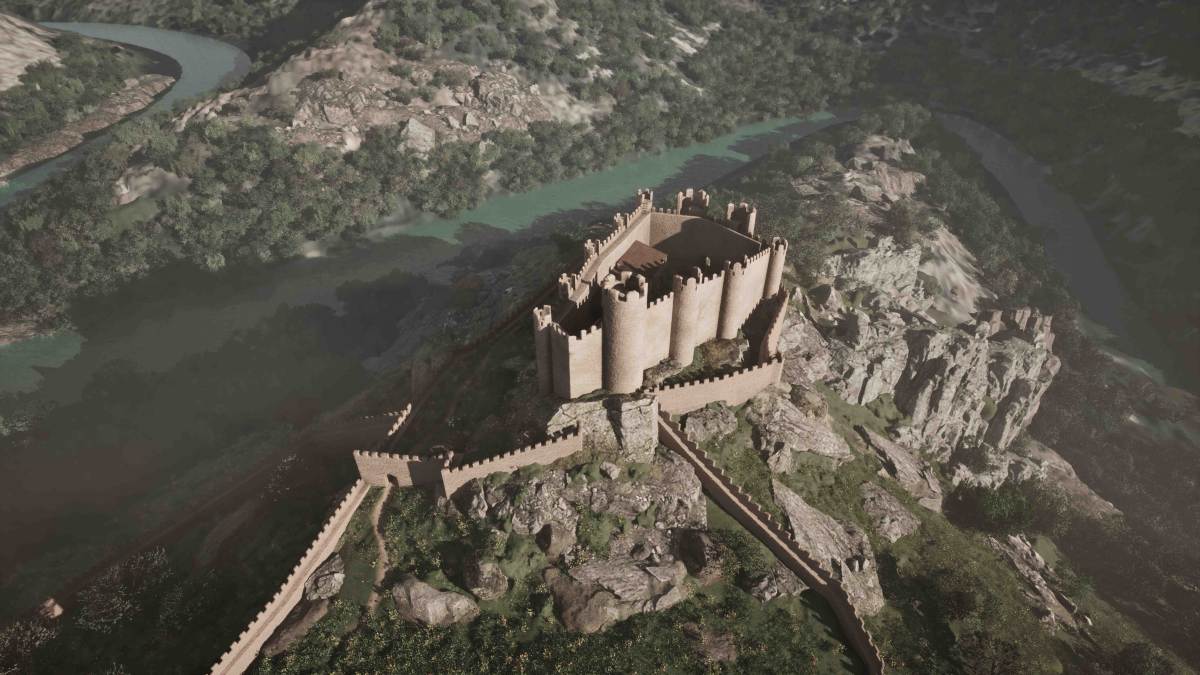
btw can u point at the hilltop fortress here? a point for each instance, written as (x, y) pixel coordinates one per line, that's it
(662, 283)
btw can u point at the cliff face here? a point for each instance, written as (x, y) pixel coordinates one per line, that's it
(21, 45)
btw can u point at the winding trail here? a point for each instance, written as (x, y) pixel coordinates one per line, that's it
(381, 563)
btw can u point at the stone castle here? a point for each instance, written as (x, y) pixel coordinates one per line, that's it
(662, 283)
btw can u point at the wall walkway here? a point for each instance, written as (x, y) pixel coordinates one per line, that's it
(241, 655)
(763, 526)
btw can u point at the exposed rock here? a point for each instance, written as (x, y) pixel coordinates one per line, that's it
(418, 601)
(782, 429)
(670, 491)
(297, 624)
(555, 539)
(702, 556)
(779, 582)
(140, 181)
(1033, 569)
(869, 357)
(1060, 473)
(625, 427)
(486, 580)
(914, 474)
(882, 148)
(890, 518)
(712, 422)
(805, 352)
(884, 265)
(843, 550)
(593, 596)
(326, 581)
(22, 44)
(418, 137)
(991, 468)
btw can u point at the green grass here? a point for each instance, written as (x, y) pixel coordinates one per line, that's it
(737, 456)
(360, 553)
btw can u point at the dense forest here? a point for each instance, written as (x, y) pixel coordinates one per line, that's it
(50, 95)
(253, 198)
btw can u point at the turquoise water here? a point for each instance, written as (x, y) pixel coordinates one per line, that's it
(205, 64)
(196, 317)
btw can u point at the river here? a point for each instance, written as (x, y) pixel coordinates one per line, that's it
(60, 493)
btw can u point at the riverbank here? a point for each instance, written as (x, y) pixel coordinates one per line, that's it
(138, 93)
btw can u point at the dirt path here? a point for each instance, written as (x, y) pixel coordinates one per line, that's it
(381, 563)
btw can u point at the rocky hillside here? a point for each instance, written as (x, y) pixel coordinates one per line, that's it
(21, 45)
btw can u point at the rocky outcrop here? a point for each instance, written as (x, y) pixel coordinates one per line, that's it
(419, 602)
(1053, 607)
(779, 582)
(297, 624)
(669, 491)
(844, 550)
(888, 516)
(22, 44)
(703, 557)
(595, 595)
(623, 427)
(805, 351)
(883, 265)
(326, 581)
(913, 473)
(486, 580)
(710, 423)
(783, 428)
(334, 93)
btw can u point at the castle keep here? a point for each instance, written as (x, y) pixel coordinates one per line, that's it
(662, 283)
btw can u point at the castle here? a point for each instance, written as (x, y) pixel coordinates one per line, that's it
(662, 283)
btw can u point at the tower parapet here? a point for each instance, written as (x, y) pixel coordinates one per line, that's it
(731, 298)
(685, 316)
(779, 249)
(742, 217)
(691, 202)
(542, 321)
(625, 307)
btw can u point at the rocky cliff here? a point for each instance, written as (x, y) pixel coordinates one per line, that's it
(21, 45)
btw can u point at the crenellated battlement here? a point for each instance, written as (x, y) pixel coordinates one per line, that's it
(732, 272)
(238, 658)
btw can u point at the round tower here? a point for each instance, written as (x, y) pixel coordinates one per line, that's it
(541, 347)
(733, 297)
(625, 310)
(684, 316)
(779, 248)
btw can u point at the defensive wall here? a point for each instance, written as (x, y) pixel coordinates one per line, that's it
(733, 388)
(381, 468)
(245, 649)
(739, 504)
(639, 325)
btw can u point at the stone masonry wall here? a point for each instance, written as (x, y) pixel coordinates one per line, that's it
(241, 655)
(733, 388)
(739, 504)
(545, 452)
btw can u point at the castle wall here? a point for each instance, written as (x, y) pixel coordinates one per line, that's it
(708, 294)
(656, 342)
(576, 361)
(770, 341)
(238, 658)
(381, 468)
(733, 388)
(546, 452)
(759, 522)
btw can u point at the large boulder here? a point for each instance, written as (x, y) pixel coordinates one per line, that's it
(782, 429)
(888, 516)
(703, 557)
(593, 596)
(419, 602)
(486, 580)
(710, 423)
(326, 581)
(843, 550)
